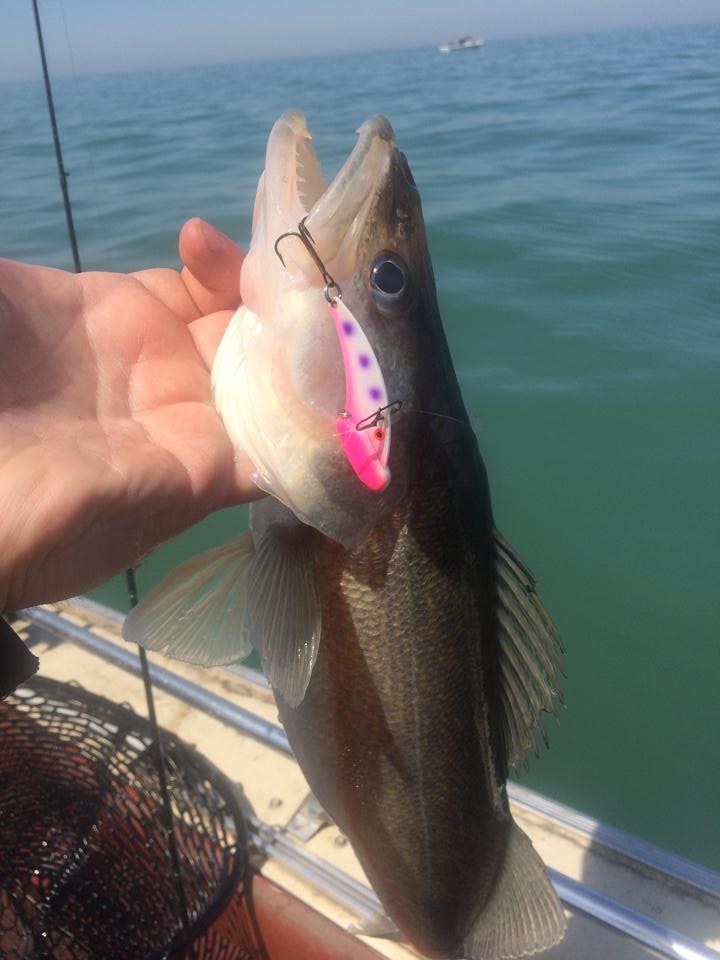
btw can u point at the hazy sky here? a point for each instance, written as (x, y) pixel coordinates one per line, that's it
(84, 36)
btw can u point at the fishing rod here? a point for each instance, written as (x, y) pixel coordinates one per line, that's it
(56, 139)
(167, 814)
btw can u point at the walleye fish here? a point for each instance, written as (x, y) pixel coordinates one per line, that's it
(409, 653)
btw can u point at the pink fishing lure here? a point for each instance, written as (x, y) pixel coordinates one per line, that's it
(367, 449)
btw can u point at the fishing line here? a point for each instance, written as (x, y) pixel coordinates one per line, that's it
(442, 416)
(94, 212)
(393, 408)
(67, 40)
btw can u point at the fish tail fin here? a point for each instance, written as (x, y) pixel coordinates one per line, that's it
(522, 915)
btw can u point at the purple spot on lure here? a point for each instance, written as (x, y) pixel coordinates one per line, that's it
(375, 393)
(364, 360)
(347, 328)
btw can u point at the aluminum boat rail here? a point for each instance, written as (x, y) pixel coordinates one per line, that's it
(272, 841)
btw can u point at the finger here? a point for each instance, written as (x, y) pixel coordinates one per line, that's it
(166, 285)
(212, 264)
(207, 333)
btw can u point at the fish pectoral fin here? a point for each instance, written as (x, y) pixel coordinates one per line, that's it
(530, 656)
(198, 612)
(284, 611)
(522, 914)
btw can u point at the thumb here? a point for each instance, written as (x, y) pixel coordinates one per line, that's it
(211, 270)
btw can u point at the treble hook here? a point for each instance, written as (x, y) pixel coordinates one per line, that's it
(306, 237)
(374, 419)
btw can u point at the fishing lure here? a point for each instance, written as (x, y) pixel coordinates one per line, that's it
(367, 452)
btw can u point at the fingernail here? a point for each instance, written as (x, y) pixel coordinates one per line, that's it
(216, 240)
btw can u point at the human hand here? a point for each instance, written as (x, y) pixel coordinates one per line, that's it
(109, 441)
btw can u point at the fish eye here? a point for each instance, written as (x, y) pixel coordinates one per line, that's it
(389, 279)
(387, 276)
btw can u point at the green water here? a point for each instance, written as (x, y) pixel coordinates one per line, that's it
(571, 195)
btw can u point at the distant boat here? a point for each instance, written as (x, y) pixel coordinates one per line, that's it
(463, 43)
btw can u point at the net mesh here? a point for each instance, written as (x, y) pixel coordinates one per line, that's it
(84, 867)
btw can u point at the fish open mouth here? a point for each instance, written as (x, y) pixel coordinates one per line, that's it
(335, 213)
(322, 228)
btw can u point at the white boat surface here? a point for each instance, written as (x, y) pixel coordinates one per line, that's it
(462, 43)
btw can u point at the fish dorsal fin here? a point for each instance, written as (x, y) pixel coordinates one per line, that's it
(522, 914)
(530, 656)
(198, 612)
(284, 612)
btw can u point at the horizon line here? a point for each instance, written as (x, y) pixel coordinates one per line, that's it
(269, 58)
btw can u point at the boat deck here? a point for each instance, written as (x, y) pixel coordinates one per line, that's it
(624, 898)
